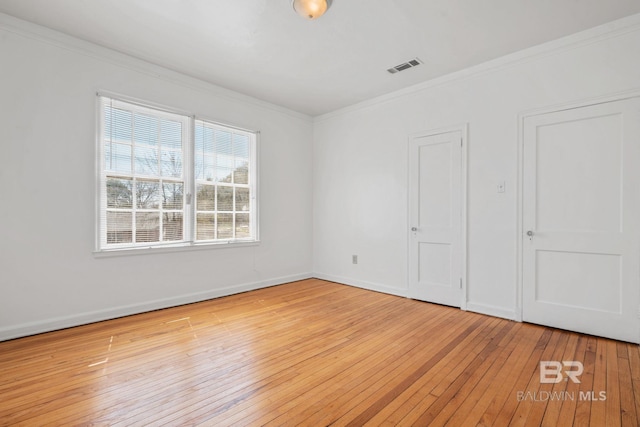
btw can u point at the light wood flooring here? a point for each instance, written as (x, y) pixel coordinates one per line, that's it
(314, 353)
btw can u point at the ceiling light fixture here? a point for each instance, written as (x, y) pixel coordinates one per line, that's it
(311, 9)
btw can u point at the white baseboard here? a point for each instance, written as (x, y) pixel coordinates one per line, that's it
(491, 310)
(362, 284)
(62, 322)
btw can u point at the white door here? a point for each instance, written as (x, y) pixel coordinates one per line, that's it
(435, 219)
(581, 217)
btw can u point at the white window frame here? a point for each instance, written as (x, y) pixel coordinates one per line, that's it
(189, 242)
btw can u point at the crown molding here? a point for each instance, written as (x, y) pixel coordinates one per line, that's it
(64, 41)
(597, 34)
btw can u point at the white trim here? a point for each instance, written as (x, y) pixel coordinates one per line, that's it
(189, 192)
(464, 129)
(255, 181)
(491, 310)
(519, 211)
(98, 156)
(600, 33)
(61, 322)
(168, 248)
(371, 286)
(238, 128)
(46, 35)
(579, 103)
(156, 108)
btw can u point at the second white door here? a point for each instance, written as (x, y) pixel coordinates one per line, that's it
(581, 218)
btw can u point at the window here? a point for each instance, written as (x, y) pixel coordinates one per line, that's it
(153, 161)
(223, 192)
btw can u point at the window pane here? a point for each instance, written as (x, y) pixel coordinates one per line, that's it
(172, 223)
(172, 195)
(203, 167)
(242, 199)
(208, 168)
(224, 161)
(107, 156)
(121, 124)
(147, 227)
(225, 226)
(198, 167)
(119, 227)
(119, 193)
(208, 173)
(242, 225)
(225, 198)
(208, 140)
(120, 158)
(145, 130)
(223, 143)
(146, 160)
(205, 197)
(224, 174)
(198, 137)
(241, 173)
(171, 134)
(205, 227)
(225, 166)
(241, 146)
(147, 194)
(172, 163)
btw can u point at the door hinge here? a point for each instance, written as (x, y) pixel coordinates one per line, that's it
(461, 283)
(461, 140)
(188, 198)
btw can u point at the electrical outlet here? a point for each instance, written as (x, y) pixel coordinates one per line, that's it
(354, 259)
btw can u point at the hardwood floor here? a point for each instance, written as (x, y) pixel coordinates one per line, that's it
(314, 353)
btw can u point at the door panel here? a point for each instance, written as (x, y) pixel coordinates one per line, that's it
(435, 264)
(435, 163)
(579, 162)
(581, 263)
(585, 272)
(435, 193)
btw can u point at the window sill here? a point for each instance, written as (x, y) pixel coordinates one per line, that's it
(182, 247)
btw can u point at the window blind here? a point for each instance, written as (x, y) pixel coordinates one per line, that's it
(143, 185)
(224, 176)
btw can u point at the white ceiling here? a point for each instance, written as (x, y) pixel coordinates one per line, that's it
(263, 49)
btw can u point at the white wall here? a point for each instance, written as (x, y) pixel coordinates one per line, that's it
(360, 160)
(49, 277)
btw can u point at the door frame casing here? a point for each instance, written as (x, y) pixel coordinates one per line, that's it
(519, 235)
(464, 133)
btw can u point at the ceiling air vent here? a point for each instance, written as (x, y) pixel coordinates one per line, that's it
(405, 66)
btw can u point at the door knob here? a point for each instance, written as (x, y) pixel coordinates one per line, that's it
(414, 228)
(530, 234)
